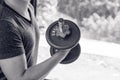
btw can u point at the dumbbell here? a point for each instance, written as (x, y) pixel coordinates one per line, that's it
(64, 34)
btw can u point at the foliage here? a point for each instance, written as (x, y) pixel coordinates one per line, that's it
(99, 19)
(84, 8)
(102, 28)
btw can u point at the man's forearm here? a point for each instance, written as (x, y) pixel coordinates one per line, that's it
(41, 70)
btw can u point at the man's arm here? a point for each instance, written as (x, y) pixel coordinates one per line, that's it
(16, 68)
(13, 60)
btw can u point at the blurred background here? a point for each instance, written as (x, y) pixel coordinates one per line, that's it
(99, 21)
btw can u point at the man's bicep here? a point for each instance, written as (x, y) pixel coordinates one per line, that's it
(14, 67)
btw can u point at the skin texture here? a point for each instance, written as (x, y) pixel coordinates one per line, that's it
(15, 68)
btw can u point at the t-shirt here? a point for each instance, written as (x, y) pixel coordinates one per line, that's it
(18, 35)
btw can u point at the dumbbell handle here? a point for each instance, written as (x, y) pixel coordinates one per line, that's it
(60, 25)
(63, 29)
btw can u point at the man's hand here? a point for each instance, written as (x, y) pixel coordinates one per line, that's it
(63, 53)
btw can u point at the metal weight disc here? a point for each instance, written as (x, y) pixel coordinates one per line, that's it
(68, 42)
(72, 56)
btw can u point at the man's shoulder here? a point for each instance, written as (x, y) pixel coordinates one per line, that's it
(8, 25)
(6, 12)
(8, 21)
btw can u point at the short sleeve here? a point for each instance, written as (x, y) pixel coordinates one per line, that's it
(10, 40)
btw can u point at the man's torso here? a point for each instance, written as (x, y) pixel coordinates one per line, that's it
(27, 29)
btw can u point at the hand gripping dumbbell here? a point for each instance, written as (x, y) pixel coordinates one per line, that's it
(64, 34)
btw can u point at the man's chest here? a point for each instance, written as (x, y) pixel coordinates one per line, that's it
(30, 35)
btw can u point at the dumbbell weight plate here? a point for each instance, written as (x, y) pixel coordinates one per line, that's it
(72, 56)
(68, 42)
